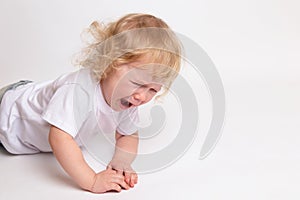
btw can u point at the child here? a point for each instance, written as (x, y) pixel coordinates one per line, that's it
(125, 65)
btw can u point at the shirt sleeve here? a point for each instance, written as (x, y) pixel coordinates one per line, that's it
(68, 108)
(129, 124)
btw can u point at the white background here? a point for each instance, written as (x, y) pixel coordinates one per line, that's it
(255, 45)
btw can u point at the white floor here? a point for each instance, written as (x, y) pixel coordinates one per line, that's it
(258, 157)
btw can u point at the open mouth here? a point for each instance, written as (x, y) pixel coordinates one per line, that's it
(126, 103)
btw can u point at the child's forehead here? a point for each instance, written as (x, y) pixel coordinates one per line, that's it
(142, 74)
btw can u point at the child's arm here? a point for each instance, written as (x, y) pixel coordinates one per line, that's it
(125, 152)
(71, 159)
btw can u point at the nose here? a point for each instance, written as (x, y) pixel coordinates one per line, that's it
(141, 97)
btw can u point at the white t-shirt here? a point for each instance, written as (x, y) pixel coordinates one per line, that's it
(73, 103)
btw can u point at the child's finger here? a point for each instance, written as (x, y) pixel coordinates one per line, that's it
(115, 187)
(127, 177)
(120, 181)
(133, 179)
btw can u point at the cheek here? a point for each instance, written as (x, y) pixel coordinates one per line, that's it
(149, 97)
(122, 90)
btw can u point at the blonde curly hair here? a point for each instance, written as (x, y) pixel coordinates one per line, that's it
(132, 38)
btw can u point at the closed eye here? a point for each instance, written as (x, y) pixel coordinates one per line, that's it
(137, 84)
(144, 86)
(140, 85)
(153, 90)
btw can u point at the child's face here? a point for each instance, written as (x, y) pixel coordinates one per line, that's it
(129, 86)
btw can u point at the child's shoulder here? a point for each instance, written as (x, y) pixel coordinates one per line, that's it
(80, 77)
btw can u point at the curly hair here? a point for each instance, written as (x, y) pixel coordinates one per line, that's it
(132, 38)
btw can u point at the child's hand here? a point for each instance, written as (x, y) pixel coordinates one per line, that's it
(108, 180)
(125, 169)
